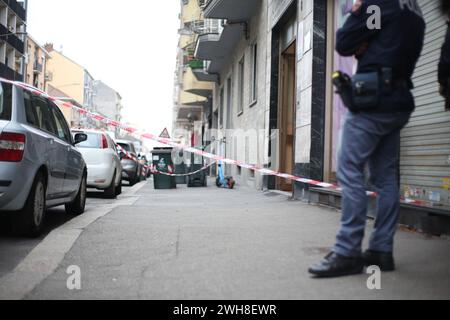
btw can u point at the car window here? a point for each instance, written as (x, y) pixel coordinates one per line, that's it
(62, 130)
(30, 111)
(5, 101)
(125, 146)
(111, 143)
(45, 118)
(93, 141)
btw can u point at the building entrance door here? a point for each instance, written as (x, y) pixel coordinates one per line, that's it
(286, 115)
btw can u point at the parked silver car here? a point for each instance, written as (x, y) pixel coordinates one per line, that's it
(39, 164)
(131, 167)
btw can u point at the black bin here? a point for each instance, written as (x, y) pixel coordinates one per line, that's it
(199, 179)
(162, 162)
(180, 168)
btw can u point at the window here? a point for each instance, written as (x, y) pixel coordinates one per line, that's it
(30, 111)
(221, 107)
(62, 130)
(43, 115)
(128, 147)
(5, 101)
(229, 112)
(94, 141)
(241, 74)
(254, 75)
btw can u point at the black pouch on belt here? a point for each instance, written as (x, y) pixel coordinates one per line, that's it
(366, 87)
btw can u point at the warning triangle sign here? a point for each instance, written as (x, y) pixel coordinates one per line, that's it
(165, 134)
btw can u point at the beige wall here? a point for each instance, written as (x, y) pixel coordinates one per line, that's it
(35, 52)
(191, 12)
(66, 76)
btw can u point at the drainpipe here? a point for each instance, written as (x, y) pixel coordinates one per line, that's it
(24, 67)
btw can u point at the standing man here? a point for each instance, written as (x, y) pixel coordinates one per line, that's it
(381, 106)
(444, 63)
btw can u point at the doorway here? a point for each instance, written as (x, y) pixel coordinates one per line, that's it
(286, 115)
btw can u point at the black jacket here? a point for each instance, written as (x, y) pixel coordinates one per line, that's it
(397, 44)
(444, 63)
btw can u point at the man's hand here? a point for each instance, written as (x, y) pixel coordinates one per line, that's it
(357, 5)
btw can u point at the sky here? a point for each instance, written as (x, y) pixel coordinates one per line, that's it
(129, 45)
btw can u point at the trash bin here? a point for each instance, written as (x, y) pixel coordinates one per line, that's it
(180, 168)
(162, 161)
(200, 178)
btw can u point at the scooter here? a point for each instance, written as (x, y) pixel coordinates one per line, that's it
(224, 182)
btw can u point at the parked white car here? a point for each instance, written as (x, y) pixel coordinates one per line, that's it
(103, 162)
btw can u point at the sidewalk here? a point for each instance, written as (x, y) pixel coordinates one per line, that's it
(231, 244)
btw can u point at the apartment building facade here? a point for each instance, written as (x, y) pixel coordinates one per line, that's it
(36, 64)
(74, 80)
(192, 95)
(13, 17)
(107, 102)
(273, 103)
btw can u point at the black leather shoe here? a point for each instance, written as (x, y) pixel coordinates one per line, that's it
(335, 265)
(383, 260)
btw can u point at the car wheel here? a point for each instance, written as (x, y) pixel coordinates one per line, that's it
(119, 188)
(29, 221)
(77, 207)
(137, 178)
(111, 192)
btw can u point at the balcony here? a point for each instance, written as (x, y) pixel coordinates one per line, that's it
(217, 48)
(232, 10)
(196, 64)
(190, 12)
(12, 39)
(205, 26)
(192, 85)
(189, 113)
(17, 8)
(190, 99)
(10, 74)
(38, 67)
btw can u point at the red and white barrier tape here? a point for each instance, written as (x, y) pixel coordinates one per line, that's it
(183, 174)
(154, 171)
(173, 144)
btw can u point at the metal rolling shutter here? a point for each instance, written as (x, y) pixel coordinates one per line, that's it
(425, 146)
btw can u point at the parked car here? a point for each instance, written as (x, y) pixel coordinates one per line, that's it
(131, 168)
(145, 172)
(148, 165)
(39, 164)
(103, 162)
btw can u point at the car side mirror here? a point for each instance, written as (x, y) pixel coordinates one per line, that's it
(80, 137)
(121, 155)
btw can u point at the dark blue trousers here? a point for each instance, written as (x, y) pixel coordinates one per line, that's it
(372, 138)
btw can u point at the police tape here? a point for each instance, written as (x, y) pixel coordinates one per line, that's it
(169, 167)
(215, 158)
(154, 171)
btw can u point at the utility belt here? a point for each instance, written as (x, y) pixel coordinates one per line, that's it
(364, 90)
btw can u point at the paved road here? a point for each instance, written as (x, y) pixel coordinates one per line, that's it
(14, 249)
(214, 244)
